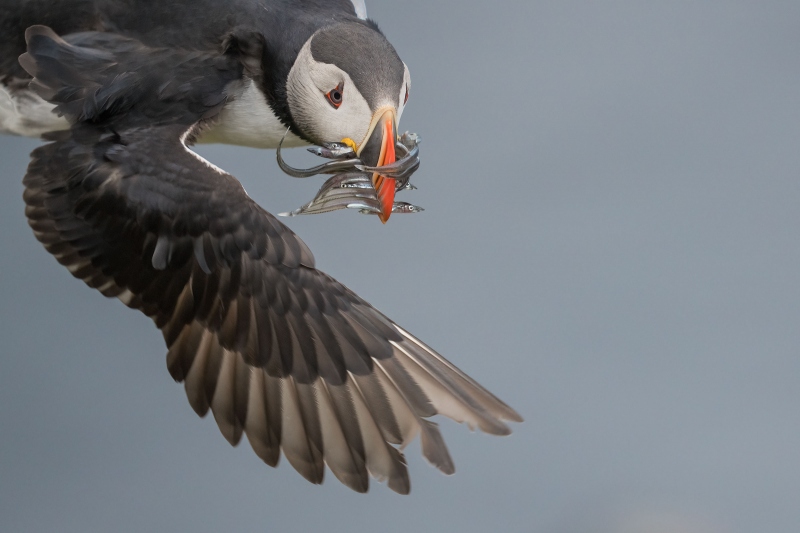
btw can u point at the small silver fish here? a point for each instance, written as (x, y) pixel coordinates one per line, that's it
(351, 187)
(333, 151)
(410, 140)
(397, 207)
(405, 207)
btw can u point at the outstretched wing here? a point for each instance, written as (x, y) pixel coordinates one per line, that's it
(276, 349)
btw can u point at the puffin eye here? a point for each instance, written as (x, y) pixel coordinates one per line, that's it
(336, 95)
(406, 100)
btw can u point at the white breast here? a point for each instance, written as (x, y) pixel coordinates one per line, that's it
(23, 112)
(247, 120)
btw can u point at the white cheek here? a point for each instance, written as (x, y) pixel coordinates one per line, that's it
(352, 118)
(306, 87)
(401, 106)
(404, 90)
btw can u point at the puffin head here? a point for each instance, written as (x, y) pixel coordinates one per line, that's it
(349, 85)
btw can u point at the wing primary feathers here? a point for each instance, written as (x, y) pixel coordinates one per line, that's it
(182, 315)
(223, 402)
(341, 397)
(195, 377)
(380, 406)
(433, 360)
(241, 390)
(295, 442)
(384, 462)
(406, 419)
(433, 447)
(183, 351)
(273, 395)
(212, 371)
(418, 401)
(259, 425)
(447, 396)
(344, 450)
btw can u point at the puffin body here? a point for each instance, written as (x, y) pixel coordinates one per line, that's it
(274, 348)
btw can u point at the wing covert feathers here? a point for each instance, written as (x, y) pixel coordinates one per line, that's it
(278, 351)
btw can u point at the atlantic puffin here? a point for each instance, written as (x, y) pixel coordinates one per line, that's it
(276, 349)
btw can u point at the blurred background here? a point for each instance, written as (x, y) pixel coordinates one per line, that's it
(610, 244)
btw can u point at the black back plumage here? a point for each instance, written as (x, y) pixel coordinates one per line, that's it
(276, 349)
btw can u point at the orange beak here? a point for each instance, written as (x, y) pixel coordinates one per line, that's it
(379, 151)
(384, 186)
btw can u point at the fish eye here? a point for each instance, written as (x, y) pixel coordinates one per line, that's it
(336, 95)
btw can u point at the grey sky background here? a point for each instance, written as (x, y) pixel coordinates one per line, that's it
(610, 244)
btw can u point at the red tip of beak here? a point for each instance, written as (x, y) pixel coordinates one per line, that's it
(385, 187)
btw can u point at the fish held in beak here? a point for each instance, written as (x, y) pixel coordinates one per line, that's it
(378, 151)
(352, 186)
